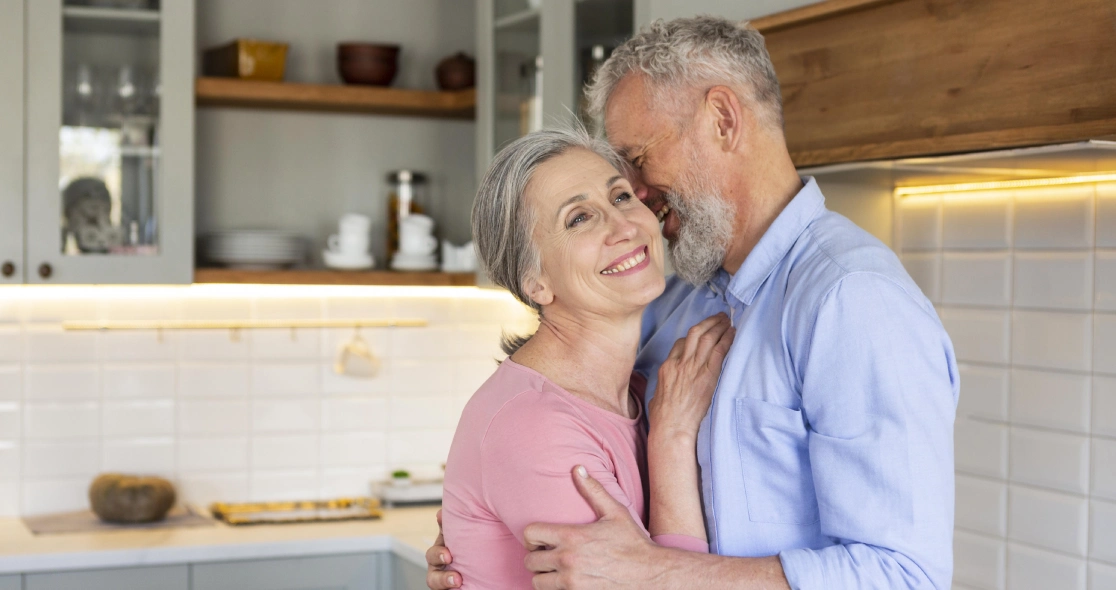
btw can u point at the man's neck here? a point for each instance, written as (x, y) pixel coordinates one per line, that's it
(762, 191)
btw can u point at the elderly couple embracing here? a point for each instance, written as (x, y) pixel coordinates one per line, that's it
(779, 414)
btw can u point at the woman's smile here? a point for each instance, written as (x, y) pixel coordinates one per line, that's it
(630, 263)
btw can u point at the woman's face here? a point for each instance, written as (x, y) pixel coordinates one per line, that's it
(600, 247)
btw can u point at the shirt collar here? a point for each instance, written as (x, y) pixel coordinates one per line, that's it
(777, 241)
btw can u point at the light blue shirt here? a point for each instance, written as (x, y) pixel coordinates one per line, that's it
(830, 438)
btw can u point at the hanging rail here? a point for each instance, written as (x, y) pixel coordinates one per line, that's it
(81, 325)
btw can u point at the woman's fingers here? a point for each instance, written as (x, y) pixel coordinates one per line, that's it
(709, 341)
(694, 336)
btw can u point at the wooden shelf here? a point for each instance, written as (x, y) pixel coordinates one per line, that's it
(334, 277)
(233, 92)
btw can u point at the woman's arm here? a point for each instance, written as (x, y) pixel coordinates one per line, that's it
(687, 379)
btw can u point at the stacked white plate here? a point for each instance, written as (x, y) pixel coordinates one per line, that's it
(413, 262)
(255, 248)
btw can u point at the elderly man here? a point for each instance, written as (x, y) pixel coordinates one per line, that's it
(827, 455)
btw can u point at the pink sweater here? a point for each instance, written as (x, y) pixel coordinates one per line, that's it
(510, 465)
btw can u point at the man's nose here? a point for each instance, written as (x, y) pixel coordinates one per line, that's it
(643, 192)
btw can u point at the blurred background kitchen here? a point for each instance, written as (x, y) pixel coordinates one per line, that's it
(235, 255)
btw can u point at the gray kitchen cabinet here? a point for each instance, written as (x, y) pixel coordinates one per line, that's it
(109, 141)
(533, 59)
(363, 571)
(171, 577)
(406, 575)
(11, 142)
(14, 582)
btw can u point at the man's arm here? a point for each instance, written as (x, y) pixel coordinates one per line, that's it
(614, 553)
(878, 394)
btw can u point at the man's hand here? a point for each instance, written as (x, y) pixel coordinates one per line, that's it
(437, 558)
(613, 552)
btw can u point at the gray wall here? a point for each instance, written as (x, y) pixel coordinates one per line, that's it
(649, 10)
(300, 171)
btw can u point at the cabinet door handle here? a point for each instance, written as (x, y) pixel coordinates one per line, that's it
(8, 269)
(45, 270)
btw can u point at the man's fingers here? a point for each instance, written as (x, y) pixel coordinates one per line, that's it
(547, 581)
(540, 535)
(437, 580)
(599, 499)
(438, 515)
(541, 561)
(437, 555)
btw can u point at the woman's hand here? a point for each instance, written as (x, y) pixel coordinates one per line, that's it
(688, 378)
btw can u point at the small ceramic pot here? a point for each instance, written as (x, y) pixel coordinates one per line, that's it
(456, 72)
(367, 63)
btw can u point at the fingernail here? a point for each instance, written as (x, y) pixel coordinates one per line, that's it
(581, 471)
(442, 558)
(451, 581)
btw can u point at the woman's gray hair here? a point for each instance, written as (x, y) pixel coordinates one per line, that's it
(687, 54)
(503, 223)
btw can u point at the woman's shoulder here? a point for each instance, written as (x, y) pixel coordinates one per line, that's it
(516, 399)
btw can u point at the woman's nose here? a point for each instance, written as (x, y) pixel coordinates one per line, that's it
(621, 228)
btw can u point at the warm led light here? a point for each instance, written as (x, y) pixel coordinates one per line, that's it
(908, 191)
(235, 291)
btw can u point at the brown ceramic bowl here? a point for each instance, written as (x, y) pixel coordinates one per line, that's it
(367, 63)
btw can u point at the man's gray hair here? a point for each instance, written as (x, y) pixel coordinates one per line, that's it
(503, 224)
(687, 54)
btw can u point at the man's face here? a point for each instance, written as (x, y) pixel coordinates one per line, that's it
(671, 176)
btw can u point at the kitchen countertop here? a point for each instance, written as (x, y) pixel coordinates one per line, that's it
(408, 532)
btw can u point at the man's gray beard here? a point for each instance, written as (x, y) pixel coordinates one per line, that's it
(704, 232)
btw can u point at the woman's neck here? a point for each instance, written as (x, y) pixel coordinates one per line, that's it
(589, 356)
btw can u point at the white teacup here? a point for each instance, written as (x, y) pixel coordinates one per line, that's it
(417, 243)
(417, 222)
(348, 243)
(354, 223)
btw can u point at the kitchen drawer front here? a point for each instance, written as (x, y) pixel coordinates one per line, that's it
(407, 575)
(11, 582)
(297, 573)
(175, 577)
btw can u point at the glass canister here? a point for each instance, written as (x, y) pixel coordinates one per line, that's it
(408, 190)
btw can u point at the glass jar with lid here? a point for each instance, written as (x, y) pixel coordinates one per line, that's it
(408, 195)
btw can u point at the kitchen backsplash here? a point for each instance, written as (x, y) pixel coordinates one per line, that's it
(233, 415)
(1025, 283)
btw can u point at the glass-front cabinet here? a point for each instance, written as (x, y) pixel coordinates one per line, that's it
(11, 142)
(109, 140)
(534, 58)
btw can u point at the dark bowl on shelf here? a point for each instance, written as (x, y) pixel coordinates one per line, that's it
(367, 63)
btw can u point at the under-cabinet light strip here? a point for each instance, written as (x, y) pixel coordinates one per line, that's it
(908, 191)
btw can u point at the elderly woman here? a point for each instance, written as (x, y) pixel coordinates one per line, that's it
(556, 224)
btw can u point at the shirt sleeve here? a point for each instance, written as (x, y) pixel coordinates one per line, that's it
(527, 459)
(879, 393)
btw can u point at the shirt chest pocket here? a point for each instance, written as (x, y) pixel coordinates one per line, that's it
(775, 462)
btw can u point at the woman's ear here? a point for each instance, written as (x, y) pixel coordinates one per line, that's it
(538, 290)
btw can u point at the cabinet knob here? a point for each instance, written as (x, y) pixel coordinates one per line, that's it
(45, 270)
(8, 269)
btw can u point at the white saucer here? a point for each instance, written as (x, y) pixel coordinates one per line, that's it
(404, 261)
(343, 261)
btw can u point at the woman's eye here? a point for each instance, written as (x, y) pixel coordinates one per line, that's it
(622, 198)
(580, 217)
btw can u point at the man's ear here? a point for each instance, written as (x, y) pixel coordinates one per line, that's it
(731, 121)
(538, 290)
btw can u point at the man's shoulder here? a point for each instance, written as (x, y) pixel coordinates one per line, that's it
(831, 250)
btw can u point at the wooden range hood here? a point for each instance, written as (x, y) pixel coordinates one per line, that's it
(882, 79)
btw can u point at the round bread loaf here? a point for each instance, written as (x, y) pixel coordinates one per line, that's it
(119, 498)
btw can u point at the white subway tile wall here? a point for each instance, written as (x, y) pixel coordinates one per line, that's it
(1025, 283)
(234, 415)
